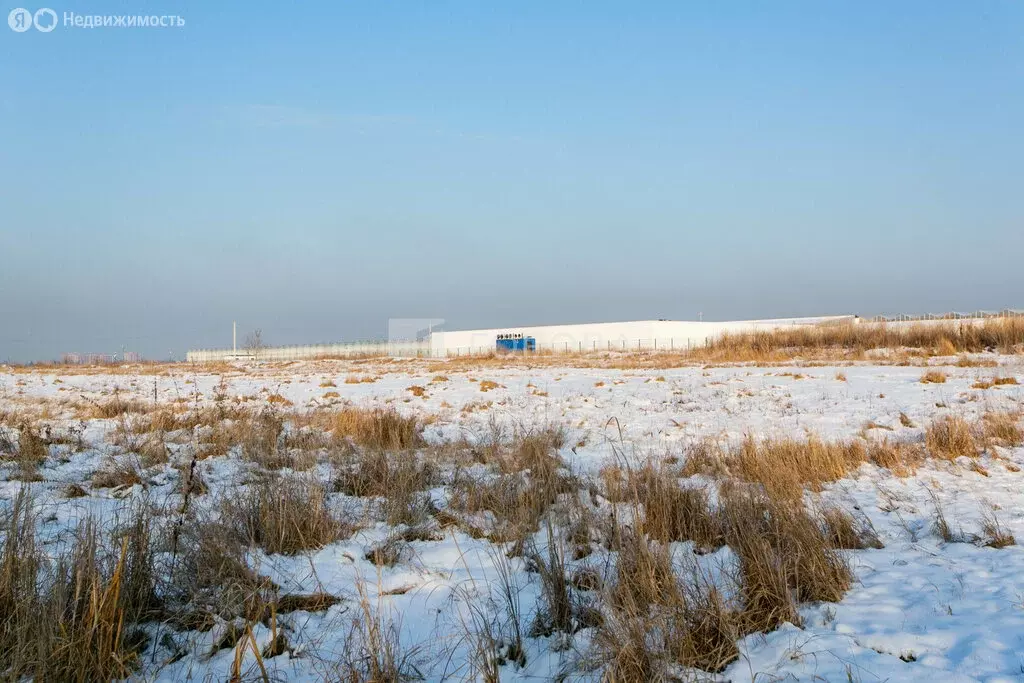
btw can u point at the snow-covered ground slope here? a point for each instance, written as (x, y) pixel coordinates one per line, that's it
(920, 608)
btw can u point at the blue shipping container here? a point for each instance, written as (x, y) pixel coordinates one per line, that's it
(516, 344)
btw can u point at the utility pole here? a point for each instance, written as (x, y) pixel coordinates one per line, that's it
(234, 338)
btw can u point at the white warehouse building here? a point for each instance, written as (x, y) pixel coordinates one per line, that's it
(659, 335)
(624, 336)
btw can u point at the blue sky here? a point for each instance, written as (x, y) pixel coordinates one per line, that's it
(315, 169)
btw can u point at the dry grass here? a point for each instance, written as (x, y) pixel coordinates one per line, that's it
(372, 651)
(996, 535)
(671, 512)
(377, 428)
(900, 458)
(399, 479)
(557, 608)
(784, 556)
(121, 473)
(780, 548)
(285, 515)
(29, 451)
(527, 476)
(1002, 429)
(938, 339)
(652, 620)
(212, 576)
(843, 531)
(74, 619)
(949, 438)
(115, 407)
(360, 379)
(786, 466)
(933, 377)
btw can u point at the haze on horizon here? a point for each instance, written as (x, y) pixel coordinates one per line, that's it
(316, 172)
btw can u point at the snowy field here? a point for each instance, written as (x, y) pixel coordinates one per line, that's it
(919, 608)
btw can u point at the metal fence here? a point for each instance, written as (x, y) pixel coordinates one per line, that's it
(362, 349)
(976, 315)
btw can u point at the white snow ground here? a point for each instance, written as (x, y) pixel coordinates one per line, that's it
(920, 609)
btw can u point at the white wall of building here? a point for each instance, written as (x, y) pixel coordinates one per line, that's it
(641, 334)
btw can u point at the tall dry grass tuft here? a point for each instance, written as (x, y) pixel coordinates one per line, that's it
(843, 531)
(556, 611)
(29, 452)
(399, 479)
(669, 511)
(654, 618)
(373, 650)
(785, 466)
(72, 618)
(784, 557)
(213, 577)
(1001, 429)
(996, 535)
(950, 437)
(525, 477)
(380, 429)
(285, 515)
